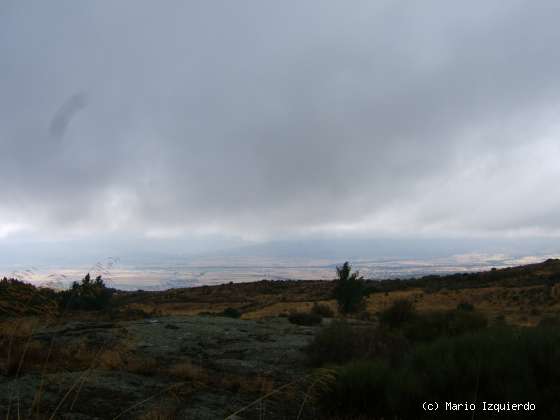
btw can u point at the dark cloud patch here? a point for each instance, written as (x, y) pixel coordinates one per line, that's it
(65, 113)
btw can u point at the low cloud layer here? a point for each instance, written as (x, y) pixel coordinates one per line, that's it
(260, 119)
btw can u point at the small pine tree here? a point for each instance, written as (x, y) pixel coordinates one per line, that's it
(349, 290)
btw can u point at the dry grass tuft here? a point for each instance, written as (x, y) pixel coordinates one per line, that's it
(186, 370)
(19, 352)
(21, 356)
(243, 384)
(127, 361)
(18, 327)
(111, 360)
(160, 412)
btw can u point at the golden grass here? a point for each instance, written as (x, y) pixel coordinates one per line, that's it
(18, 327)
(284, 308)
(259, 384)
(141, 365)
(514, 304)
(18, 351)
(493, 301)
(122, 359)
(160, 412)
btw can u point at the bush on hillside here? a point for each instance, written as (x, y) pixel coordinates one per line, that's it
(428, 326)
(340, 342)
(432, 325)
(305, 318)
(465, 306)
(399, 313)
(87, 295)
(322, 310)
(550, 321)
(231, 313)
(498, 365)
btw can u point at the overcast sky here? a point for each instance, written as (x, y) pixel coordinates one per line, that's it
(267, 119)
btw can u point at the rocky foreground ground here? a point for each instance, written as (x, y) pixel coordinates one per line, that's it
(192, 367)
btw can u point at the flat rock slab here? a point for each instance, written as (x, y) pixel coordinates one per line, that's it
(245, 347)
(223, 347)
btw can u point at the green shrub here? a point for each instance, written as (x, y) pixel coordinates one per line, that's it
(349, 291)
(364, 315)
(497, 365)
(231, 313)
(549, 321)
(87, 295)
(500, 319)
(358, 391)
(429, 326)
(339, 342)
(334, 343)
(465, 306)
(400, 312)
(461, 322)
(304, 318)
(322, 310)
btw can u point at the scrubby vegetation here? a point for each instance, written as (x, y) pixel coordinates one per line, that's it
(18, 298)
(231, 313)
(399, 313)
(465, 306)
(495, 365)
(87, 295)
(388, 370)
(305, 318)
(430, 325)
(322, 310)
(341, 342)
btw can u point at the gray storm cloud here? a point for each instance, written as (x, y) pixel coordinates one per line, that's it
(256, 118)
